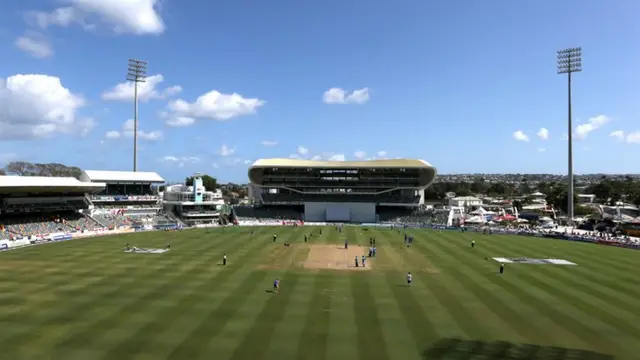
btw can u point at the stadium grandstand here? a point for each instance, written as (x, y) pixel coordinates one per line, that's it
(127, 199)
(332, 191)
(195, 205)
(35, 206)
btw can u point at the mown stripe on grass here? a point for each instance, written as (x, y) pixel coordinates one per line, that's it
(313, 340)
(256, 341)
(443, 292)
(587, 255)
(197, 291)
(511, 319)
(603, 319)
(342, 334)
(370, 340)
(420, 326)
(213, 324)
(584, 254)
(592, 286)
(535, 302)
(127, 299)
(556, 311)
(593, 282)
(287, 333)
(468, 281)
(425, 317)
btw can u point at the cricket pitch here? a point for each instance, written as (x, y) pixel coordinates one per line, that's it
(335, 257)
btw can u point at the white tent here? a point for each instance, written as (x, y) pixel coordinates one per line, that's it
(479, 211)
(476, 220)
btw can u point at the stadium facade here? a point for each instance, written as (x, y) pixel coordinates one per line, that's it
(194, 205)
(341, 191)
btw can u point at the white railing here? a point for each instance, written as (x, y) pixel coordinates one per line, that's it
(125, 198)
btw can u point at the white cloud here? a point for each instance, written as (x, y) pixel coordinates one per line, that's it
(138, 17)
(329, 156)
(360, 154)
(38, 106)
(127, 131)
(592, 124)
(634, 137)
(128, 127)
(226, 151)
(179, 121)
(543, 134)
(340, 96)
(302, 151)
(179, 161)
(247, 162)
(215, 166)
(34, 44)
(147, 90)
(618, 134)
(112, 135)
(214, 105)
(269, 143)
(520, 136)
(381, 154)
(542, 149)
(337, 157)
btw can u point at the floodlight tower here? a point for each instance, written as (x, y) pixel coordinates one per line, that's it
(570, 61)
(137, 73)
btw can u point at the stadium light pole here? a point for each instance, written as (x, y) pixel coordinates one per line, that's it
(570, 61)
(137, 73)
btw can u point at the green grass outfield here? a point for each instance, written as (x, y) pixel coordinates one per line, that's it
(87, 299)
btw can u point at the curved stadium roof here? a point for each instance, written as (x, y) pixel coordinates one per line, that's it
(426, 177)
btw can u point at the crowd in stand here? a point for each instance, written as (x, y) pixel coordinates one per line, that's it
(115, 220)
(22, 225)
(422, 216)
(28, 225)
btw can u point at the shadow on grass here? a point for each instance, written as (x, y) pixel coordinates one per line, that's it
(457, 349)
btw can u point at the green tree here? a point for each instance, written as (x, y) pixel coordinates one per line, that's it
(210, 183)
(636, 201)
(545, 187)
(603, 190)
(478, 186)
(580, 210)
(558, 196)
(25, 168)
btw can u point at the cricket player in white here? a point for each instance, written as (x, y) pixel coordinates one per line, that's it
(409, 278)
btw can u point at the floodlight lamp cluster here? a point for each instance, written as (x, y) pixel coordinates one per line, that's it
(569, 60)
(137, 71)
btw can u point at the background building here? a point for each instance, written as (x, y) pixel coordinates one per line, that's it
(345, 191)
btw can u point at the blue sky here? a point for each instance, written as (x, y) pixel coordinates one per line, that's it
(451, 82)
